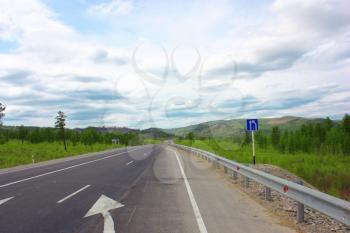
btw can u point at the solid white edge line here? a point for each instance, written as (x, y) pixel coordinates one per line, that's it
(129, 163)
(5, 200)
(63, 169)
(71, 195)
(195, 207)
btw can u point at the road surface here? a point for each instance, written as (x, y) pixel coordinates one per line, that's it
(153, 188)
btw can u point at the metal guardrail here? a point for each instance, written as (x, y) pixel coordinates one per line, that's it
(334, 207)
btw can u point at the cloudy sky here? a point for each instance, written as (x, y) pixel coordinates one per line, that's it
(170, 63)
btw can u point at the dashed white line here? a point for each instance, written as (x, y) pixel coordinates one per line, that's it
(71, 195)
(129, 163)
(195, 207)
(5, 200)
(66, 168)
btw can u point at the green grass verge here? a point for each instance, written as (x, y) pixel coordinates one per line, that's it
(15, 153)
(328, 173)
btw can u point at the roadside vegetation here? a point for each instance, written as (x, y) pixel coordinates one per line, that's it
(23, 145)
(13, 152)
(20, 145)
(318, 153)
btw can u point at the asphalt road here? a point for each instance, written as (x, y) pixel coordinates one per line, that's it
(141, 189)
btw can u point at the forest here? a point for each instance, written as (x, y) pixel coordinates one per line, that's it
(87, 137)
(327, 137)
(22, 144)
(317, 152)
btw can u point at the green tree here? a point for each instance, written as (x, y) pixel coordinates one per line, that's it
(22, 133)
(75, 137)
(247, 137)
(284, 143)
(60, 125)
(346, 137)
(89, 136)
(346, 123)
(328, 123)
(261, 139)
(35, 136)
(275, 136)
(48, 134)
(190, 137)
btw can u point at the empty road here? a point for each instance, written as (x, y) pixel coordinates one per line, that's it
(153, 188)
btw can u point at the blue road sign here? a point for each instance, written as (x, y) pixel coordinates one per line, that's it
(252, 124)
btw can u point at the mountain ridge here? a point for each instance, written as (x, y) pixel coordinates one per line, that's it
(232, 127)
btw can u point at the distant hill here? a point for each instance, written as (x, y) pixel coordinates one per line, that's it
(155, 133)
(229, 128)
(112, 129)
(218, 129)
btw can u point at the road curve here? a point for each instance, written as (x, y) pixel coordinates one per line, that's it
(151, 188)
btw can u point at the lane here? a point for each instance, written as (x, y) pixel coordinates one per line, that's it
(159, 202)
(23, 172)
(35, 203)
(225, 208)
(197, 213)
(61, 169)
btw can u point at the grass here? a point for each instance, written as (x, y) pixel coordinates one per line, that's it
(328, 173)
(15, 153)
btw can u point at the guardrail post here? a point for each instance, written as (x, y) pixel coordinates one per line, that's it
(234, 175)
(300, 211)
(246, 182)
(225, 169)
(268, 194)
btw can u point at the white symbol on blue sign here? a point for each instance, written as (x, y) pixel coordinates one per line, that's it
(252, 124)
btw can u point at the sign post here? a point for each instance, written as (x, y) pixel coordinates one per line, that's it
(253, 125)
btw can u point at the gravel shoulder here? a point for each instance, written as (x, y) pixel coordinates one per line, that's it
(282, 207)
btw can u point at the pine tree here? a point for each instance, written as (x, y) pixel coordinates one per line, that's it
(275, 136)
(60, 125)
(22, 133)
(328, 123)
(346, 123)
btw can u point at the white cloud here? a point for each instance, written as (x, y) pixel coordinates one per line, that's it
(111, 8)
(314, 16)
(285, 47)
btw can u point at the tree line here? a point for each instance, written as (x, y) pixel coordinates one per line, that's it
(326, 137)
(88, 136)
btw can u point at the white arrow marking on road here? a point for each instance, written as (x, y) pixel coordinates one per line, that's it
(102, 206)
(5, 200)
